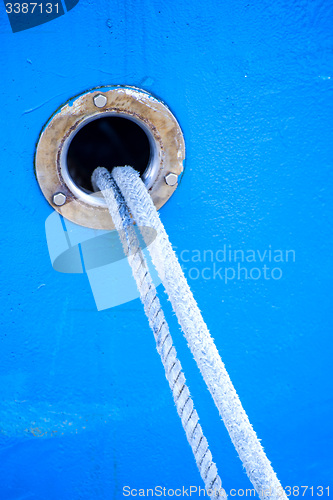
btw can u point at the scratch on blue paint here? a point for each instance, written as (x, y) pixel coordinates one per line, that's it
(40, 105)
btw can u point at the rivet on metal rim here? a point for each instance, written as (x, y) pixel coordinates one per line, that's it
(59, 199)
(100, 100)
(171, 179)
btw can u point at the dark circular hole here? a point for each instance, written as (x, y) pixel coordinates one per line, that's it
(107, 142)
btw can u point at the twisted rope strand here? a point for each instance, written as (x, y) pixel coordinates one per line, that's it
(173, 370)
(201, 344)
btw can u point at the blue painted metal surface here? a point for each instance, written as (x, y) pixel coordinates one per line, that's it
(85, 408)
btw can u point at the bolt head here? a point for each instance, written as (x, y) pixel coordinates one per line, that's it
(171, 179)
(59, 199)
(100, 100)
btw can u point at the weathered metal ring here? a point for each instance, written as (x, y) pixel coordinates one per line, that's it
(154, 117)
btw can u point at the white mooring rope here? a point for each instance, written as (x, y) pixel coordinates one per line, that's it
(201, 344)
(173, 371)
